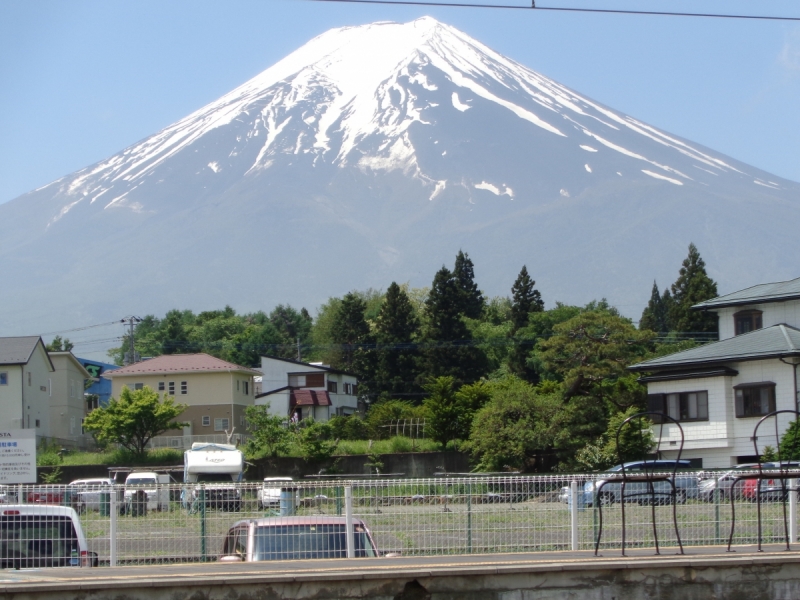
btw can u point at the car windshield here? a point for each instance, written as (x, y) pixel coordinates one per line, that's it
(35, 536)
(141, 481)
(289, 542)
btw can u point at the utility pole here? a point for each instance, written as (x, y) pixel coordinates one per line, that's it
(299, 358)
(131, 320)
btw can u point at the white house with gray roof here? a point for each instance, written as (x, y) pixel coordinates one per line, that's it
(719, 391)
(26, 374)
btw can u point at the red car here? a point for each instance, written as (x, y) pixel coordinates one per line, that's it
(45, 495)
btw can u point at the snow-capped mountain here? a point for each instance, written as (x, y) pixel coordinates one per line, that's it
(373, 154)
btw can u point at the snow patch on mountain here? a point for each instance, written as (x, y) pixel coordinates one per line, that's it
(664, 177)
(484, 185)
(458, 104)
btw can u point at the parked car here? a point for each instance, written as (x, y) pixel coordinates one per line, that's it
(295, 538)
(711, 487)
(686, 484)
(42, 536)
(269, 496)
(146, 490)
(45, 494)
(8, 494)
(772, 490)
(87, 493)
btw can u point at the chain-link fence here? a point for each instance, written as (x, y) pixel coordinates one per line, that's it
(181, 523)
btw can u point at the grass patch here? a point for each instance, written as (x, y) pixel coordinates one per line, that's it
(117, 458)
(397, 444)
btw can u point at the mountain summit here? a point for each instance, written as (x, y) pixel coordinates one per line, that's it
(373, 154)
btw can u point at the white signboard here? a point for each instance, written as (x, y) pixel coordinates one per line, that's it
(17, 456)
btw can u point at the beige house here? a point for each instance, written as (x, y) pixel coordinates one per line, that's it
(217, 392)
(67, 404)
(26, 373)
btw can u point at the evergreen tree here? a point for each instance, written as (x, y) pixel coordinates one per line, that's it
(173, 334)
(292, 326)
(655, 316)
(448, 349)
(526, 299)
(350, 330)
(471, 298)
(397, 356)
(59, 345)
(692, 287)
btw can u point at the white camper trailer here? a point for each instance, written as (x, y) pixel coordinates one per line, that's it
(215, 469)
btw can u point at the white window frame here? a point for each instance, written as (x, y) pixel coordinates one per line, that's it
(184, 388)
(206, 421)
(222, 424)
(171, 388)
(3, 377)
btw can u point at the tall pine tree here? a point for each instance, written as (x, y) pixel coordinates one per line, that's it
(397, 355)
(526, 299)
(692, 287)
(351, 333)
(472, 300)
(655, 316)
(448, 349)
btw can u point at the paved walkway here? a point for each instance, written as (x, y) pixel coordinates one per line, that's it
(74, 579)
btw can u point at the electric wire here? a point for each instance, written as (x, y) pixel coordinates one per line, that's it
(565, 9)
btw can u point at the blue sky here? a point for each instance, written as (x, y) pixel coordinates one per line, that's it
(83, 79)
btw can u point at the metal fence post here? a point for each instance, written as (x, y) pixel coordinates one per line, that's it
(792, 511)
(20, 495)
(112, 528)
(202, 523)
(717, 492)
(348, 515)
(469, 518)
(339, 501)
(573, 513)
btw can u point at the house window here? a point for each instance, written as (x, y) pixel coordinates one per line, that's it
(315, 380)
(221, 424)
(92, 401)
(161, 386)
(36, 422)
(332, 387)
(297, 380)
(4, 378)
(747, 320)
(138, 386)
(184, 387)
(83, 431)
(171, 388)
(206, 421)
(683, 406)
(755, 399)
(246, 388)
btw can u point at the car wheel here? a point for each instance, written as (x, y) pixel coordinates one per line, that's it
(680, 496)
(606, 498)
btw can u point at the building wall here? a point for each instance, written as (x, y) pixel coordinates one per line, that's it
(724, 437)
(774, 313)
(11, 397)
(235, 413)
(67, 406)
(36, 385)
(202, 388)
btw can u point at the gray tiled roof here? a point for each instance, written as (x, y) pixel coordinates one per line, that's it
(17, 350)
(766, 292)
(771, 342)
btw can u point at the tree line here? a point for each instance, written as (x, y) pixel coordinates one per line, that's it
(517, 385)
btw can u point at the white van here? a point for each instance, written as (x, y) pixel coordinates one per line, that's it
(269, 496)
(35, 536)
(154, 485)
(87, 493)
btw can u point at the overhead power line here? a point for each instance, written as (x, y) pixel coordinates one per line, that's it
(616, 11)
(80, 328)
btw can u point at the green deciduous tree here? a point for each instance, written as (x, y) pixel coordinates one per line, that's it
(692, 287)
(316, 440)
(59, 345)
(445, 419)
(635, 442)
(269, 434)
(512, 431)
(134, 419)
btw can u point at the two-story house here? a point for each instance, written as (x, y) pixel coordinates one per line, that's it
(719, 391)
(300, 390)
(67, 404)
(26, 373)
(217, 392)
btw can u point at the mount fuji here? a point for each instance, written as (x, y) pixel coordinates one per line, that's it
(373, 154)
